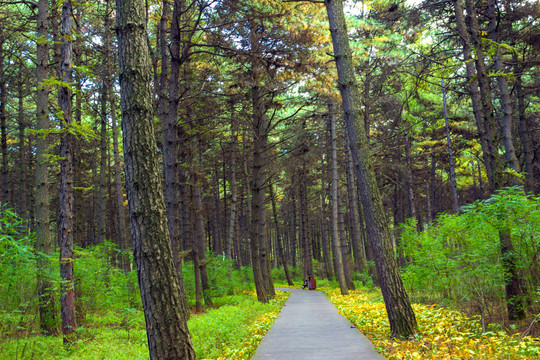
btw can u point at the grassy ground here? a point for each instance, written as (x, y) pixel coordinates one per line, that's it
(443, 333)
(232, 331)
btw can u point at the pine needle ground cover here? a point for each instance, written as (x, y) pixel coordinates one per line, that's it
(444, 334)
(232, 331)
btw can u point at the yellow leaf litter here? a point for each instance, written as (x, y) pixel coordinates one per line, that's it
(444, 334)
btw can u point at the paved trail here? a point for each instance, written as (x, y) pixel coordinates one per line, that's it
(309, 327)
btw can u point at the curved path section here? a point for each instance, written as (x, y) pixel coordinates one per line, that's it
(309, 327)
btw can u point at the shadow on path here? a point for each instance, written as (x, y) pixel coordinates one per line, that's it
(309, 327)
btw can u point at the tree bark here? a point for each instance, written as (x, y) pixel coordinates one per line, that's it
(492, 160)
(338, 256)
(66, 180)
(507, 137)
(400, 314)
(234, 196)
(278, 238)
(43, 237)
(450, 155)
(162, 298)
(3, 127)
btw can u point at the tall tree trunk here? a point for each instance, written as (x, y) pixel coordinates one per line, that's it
(472, 80)
(234, 197)
(507, 137)
(344, 250)
(104, 140)
(260, 127)
(278, 238)
(23, 164)
(338, 255)
(493, 164)
(450, 155)
(43, 236)
(3, 127)
(523, 127)
(304, 238)
(359, 250)
(69, 324)
(199, 222)
(400, 314)
(170, 131)
(162, 298)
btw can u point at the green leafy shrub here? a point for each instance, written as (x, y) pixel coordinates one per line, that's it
(458, 259)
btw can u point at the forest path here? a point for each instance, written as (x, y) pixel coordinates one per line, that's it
(309, 327)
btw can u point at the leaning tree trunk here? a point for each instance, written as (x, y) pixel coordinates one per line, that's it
(69, 324)
(400, 314)
(162, 298)
(43, 237)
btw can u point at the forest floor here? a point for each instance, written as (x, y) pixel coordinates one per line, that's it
(443, 333)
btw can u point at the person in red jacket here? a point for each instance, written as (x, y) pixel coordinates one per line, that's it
(312, 282)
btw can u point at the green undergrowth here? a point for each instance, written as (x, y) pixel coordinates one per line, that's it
(232, 331)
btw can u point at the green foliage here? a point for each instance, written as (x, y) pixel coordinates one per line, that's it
(458, 259)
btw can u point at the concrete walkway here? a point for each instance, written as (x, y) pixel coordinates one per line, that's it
(309, 327)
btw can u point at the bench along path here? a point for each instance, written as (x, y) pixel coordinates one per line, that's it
(309, 327)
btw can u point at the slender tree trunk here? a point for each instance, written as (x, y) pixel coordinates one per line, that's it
(344, 250)
(450, 155)
(69, 324)
(234, 197)
(43, 237)
(492, 160)
(23, 164)
(400, 314)
(523, 127)
(472, 80)
(170, 134)
(359, 248)
(257, 219)
(199, 220)
(507, 137)
(162, 298)
(278, 239)
(338, 255)
(104, 140)
(3, 127)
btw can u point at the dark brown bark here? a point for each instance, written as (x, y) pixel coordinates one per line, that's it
(278, 238)
(43, 237)
(4, 198)
(400, 314)
(23, 165)
(337, 250)
(260, 127)
(507, 137)
(69, 324)
(492, 160)
(199, 223)
(162, 298)
(344, 250)
(450, 155)
(234, 197)
(472, 80)
(359, 250)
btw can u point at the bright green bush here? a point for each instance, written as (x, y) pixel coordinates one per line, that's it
(458, 259)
